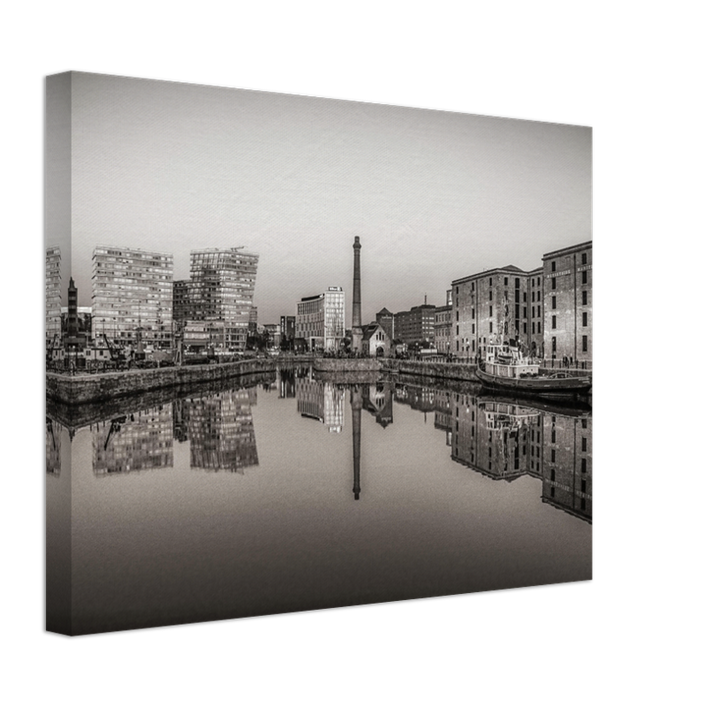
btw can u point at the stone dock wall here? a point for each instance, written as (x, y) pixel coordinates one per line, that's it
(346, 365)
(450, 371)
(101, 387)
(88, 413)
(462, 373)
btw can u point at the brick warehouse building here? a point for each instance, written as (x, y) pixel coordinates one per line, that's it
(488, 308)
(548, 310)
(567, 275)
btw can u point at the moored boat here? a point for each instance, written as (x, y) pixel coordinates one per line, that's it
(506, 369)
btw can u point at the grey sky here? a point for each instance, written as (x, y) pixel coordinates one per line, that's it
(433, 195)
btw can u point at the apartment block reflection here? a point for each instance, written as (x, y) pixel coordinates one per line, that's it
(141, 440)
(181, 414)
(567, 464)
(220, 430)
(321, 401)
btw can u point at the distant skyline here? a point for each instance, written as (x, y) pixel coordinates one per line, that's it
(433, 196)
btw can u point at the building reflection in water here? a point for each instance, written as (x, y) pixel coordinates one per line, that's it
(287, 378)
(507, 440)
(567, 464)
(141, 440)
(321, 401)
(287, 383)
(52, 447)
(220, 430)
(378, 401)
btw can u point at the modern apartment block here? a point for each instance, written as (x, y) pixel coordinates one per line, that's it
(221, 289)
(132, 297)
(567, 275)
(52, 294)
(547, 311)
(185, 308)
(321, 320)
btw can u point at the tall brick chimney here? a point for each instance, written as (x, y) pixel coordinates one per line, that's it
(356, 307)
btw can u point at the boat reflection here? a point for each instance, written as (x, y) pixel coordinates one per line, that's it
(500, 438)
(504, 439)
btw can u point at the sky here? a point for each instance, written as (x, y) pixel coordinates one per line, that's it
(433, 195)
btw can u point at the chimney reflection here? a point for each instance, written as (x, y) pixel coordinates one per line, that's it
(356, 404)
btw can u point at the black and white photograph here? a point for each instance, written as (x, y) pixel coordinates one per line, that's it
(306, 353)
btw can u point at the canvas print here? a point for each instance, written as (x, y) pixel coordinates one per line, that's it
(305, 353)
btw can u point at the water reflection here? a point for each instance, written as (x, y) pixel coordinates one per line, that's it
(378, 401)
(321, 401)
(501, 439)
(504, 440)
(220, 429)
(461, 492)
(52, 447)
(134, 442)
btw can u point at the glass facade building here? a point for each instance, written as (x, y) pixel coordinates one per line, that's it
(321, 320)
(220, 289)
(132, 297)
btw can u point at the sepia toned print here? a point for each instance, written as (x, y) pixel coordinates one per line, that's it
(305, 353)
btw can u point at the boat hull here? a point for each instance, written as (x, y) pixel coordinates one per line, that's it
(542, 386)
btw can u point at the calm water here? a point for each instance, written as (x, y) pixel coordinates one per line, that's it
(302, 494)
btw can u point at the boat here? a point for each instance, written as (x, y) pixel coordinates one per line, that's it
(506, 368)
